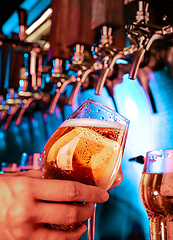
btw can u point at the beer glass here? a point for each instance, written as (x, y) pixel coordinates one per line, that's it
(156, 192)
(87, 148)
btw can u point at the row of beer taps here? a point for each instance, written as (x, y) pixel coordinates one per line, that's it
(76, 70)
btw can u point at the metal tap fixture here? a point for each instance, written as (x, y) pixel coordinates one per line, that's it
(143, 35)
(110, 54)
(33, 73)
(142, 15)
(27, 97)
(3, 108)
(14, 104)
(77, 64)
(61, 80)
(83, 70)
(22, 13)
(146, 35)
(28, 93)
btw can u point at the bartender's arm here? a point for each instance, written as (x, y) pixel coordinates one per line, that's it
(28, 202)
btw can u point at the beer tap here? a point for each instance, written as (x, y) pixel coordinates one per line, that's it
(61, 80)
(39, 70)
(110, 55)
(33, 60)
(3, 108)
(142, 15)
(83, 69)
(28, 93)
(14, 103)
(144, 35)
(17, 43)
(76, 64)
(80, 38)
(147, 36)
(22, 13)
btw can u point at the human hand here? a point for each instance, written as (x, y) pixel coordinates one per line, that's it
(28, 202)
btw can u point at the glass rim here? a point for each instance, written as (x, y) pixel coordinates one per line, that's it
(159, 151)
(104, 108)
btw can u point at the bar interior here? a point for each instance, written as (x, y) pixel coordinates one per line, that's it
(55, 54)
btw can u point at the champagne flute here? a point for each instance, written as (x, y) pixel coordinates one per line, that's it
(87, 148)
(156, 192)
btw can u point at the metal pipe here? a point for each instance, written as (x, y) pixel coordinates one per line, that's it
(105, 71)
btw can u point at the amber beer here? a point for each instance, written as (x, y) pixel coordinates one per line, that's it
(156, 192)
(85, 150)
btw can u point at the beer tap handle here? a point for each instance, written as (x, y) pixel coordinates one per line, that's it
(79, 53)
(22, 13)
(106, 36)
(40, 70)
(142, 15)
(58, 93)
(33, 68)
(27, 95)
(60, 82)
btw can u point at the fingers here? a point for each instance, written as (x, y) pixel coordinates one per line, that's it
(32, 173)
(59, 190)
(57, 213)
(54, 234)
(29, 173)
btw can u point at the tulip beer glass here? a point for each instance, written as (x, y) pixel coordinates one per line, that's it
(87, 147)
(156, 192)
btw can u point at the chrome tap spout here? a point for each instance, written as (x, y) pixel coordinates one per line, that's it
(14, 106)
(140, 55)
(105, 71)
(80, 80)
(3, 109)
(26, 104)
(59, 90)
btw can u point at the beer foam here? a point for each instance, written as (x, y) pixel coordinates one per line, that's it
(87, 122)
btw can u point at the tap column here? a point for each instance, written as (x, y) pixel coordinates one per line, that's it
(57, 37)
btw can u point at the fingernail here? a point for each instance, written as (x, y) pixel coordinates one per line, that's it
(104, 196)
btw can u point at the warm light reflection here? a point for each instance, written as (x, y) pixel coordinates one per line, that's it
(37, 23)
(39, 31)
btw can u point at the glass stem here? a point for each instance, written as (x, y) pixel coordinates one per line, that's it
(91, 225)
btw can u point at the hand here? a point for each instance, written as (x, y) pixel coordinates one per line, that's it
(28, 202)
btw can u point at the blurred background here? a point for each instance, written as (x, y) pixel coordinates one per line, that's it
(54, 54)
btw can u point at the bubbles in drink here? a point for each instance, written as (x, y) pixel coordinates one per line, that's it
(85, 150)
(156, 192)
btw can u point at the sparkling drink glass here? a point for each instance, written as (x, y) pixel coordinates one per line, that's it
(156, 193)
(87, 148)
